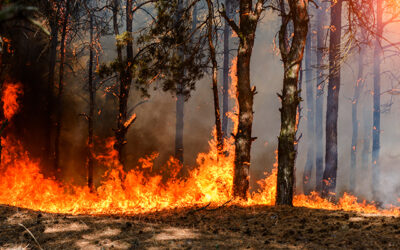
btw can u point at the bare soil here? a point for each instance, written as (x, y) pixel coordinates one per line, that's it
(230, 227)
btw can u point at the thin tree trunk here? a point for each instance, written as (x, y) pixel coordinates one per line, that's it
(180, 105)
(125, 85)
(307, 187)
(355, 123)
(367, 133)
(217, 113)
(54, 28)
(292, 56)
(331, 154)
(180, 99)
(225, 73)
(115, 10)
(92, 92)
(319, 99)
(60, 91)
(377, 102)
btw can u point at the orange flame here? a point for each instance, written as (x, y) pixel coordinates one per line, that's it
(11, 92)
(23, 185)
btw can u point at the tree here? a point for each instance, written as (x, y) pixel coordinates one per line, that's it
(217, 112)
(53, 43)
(60, 86)
(180, 54)
(128, 69)
(225, 73)
(355, 122)
(319, 99)
(123, 120)
(248, 20)
(180, 95)
(377, 99)
(292, 56)
(310, 93)
(331, 153)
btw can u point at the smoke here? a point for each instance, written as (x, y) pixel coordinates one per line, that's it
(154, 129)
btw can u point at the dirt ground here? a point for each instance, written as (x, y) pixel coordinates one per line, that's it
(230, 227)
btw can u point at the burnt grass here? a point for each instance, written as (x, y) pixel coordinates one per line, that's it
(230, 227)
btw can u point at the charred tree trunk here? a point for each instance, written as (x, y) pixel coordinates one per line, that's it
(225, 73)
(217, 113)
(376, 131)
(331, 154)
(319, 100)
(60, 91)
(92, 92)
(54, 28)
(245, 93)
(355, 123)
(123, 123)
(292, 56)
(307, 187)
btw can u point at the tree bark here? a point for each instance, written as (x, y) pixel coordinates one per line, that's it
(225, 73)
(245, 93)
(355, 123)
(125, 85)
(54, 28)
(180, 101)
(292, 56)
(217, 112)
(307, 186)
(367, 133)
(60, 91)
(319, 100)
(92, 92)
(377, 102)
(331, 154)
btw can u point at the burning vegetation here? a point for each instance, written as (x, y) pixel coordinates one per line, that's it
(171, 50)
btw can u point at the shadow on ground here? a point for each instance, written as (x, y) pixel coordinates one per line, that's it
(231, 227)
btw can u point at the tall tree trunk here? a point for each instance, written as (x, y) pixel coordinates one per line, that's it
(245, 95)
(125, 85)
(60, 91)
(225, 73)
(307, 186)
(120, 77)
(248, 20)
(180, 100)
(217, 113)
(115, 9)
(355, 123)
(92, 92)
(331, 153)
(319, 100)
(292, 56)
(54, 28)
(377, 102)
(367, 133)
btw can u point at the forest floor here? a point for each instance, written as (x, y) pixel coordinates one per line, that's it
(231, 227)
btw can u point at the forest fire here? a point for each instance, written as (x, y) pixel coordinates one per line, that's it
(23, 184)
(177, 124)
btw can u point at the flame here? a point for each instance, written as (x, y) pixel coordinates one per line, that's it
(11, 92)
(22, 184)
